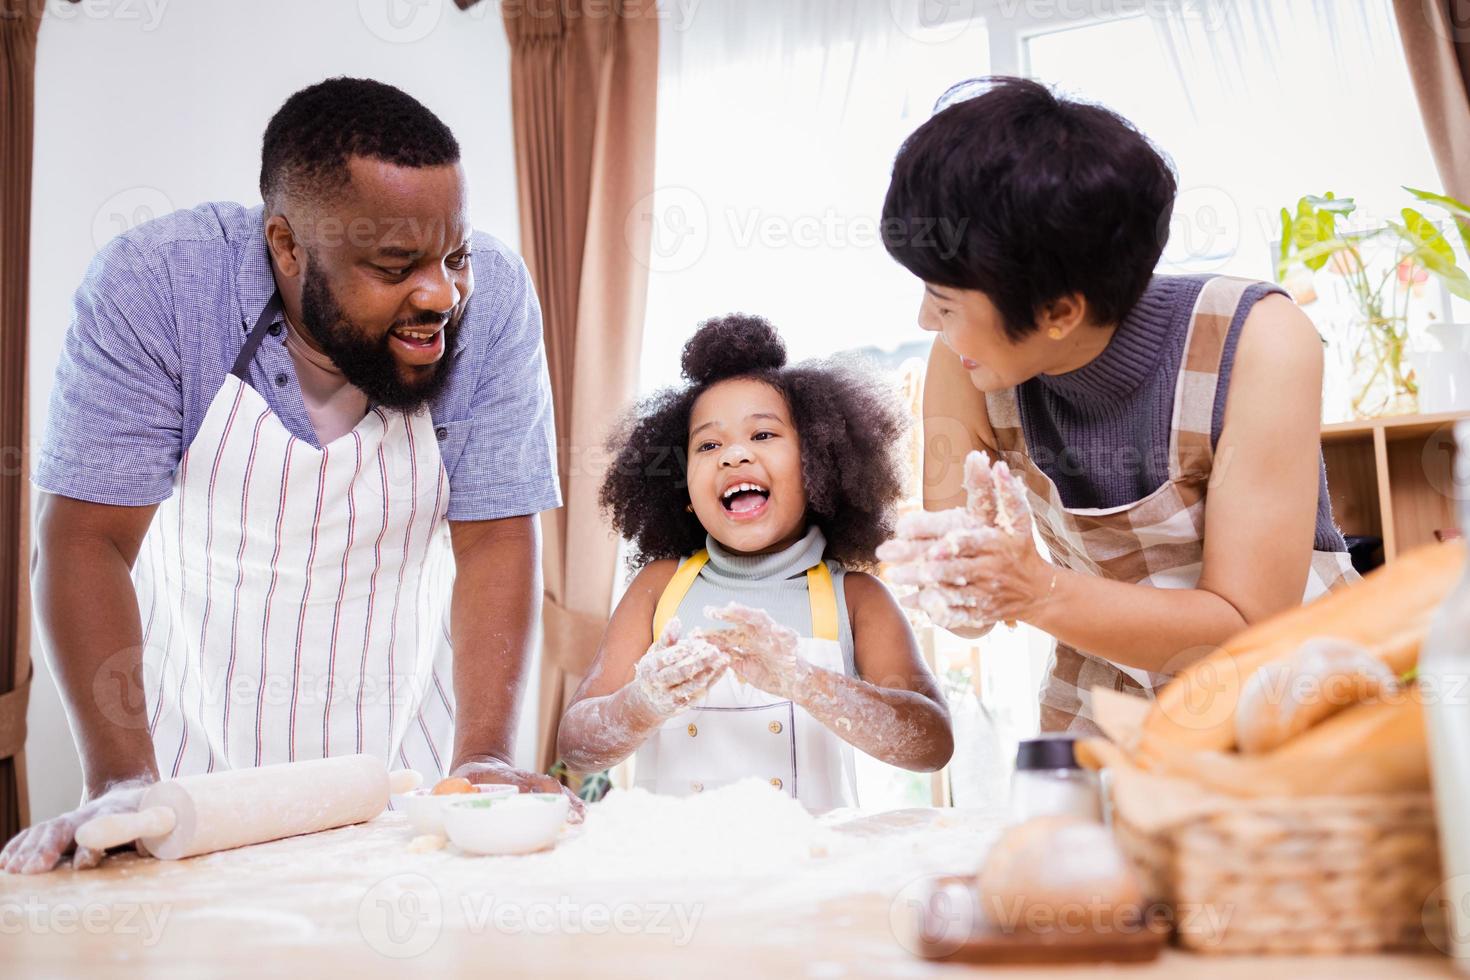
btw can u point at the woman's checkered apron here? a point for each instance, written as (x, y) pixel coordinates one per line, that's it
(1157, 541)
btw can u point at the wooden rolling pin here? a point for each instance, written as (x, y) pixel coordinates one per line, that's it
(215, 811)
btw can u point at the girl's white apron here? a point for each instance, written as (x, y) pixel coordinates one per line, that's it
(740, 732)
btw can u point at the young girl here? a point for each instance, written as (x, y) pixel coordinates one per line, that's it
(754, 497)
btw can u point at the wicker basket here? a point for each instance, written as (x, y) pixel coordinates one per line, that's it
(1344, 874)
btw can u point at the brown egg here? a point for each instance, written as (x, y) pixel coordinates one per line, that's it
(454, 784)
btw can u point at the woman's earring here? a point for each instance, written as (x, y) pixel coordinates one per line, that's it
(1055, 333)
(689, 507)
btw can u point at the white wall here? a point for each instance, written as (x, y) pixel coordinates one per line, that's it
(144, 106)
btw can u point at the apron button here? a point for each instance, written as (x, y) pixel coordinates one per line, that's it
(775, 727)
(693, 730)
(280, 381)
(441, 433)
(274, 330)
(776, 782)
(696, 787)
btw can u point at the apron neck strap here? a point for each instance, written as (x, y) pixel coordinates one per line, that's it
(256, 335)
(821, 594)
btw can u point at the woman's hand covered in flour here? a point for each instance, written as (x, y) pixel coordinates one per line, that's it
(762, 651)
(677, 670)
(977, 565)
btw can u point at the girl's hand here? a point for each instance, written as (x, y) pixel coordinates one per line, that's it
(675, 672)
(762, 651)
(977, 565)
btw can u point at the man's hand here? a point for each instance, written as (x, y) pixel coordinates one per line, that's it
(762, 651)
(38, 848)
(977, 565)
(490, 770)
(676, 671)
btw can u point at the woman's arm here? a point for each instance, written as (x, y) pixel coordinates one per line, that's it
(1259, 514)
(956, 423)
(893, 710)
(606, 721)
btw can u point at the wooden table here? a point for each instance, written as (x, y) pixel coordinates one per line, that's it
(356, 902)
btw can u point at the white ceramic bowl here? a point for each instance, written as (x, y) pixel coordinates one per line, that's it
(425, 811)
(508, 824)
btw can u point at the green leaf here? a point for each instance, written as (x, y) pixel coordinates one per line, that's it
(1315, 256)
(1432, 250)
(1331, 204)
(1458, 210)
(1284, 260)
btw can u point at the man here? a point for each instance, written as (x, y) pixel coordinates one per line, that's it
(293, 452)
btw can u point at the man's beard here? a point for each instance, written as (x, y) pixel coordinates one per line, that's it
(367, 363)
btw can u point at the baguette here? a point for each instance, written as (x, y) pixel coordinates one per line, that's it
(1372, 747)
(1387, 613)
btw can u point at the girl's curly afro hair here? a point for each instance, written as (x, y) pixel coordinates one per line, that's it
(851, 425)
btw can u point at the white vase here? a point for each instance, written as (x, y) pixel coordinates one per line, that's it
(1443, 375)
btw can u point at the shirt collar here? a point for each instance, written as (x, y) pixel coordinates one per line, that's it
(255, 283)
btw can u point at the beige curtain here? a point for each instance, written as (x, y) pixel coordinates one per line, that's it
(584, 84)
(1437, 48)
(19, 22)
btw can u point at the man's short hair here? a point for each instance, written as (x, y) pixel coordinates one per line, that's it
(316, 131)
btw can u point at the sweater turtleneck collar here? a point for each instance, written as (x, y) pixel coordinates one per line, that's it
(1132, 355)
(785, 564)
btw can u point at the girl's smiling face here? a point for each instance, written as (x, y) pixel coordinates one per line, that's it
(744, 468)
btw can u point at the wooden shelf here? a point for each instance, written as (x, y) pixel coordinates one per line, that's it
(1394, 427)
(1393, 477)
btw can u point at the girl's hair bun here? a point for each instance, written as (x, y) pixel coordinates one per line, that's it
(731, 346)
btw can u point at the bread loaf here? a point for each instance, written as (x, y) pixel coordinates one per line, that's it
(1386, 614)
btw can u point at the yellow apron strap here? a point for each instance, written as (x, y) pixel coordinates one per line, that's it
(823, 597)
(821, 593)
(676, 590)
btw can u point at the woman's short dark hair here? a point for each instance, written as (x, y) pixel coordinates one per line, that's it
(850, 423)
(1028, 197)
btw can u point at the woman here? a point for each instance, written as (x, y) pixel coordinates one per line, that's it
(1164, 428)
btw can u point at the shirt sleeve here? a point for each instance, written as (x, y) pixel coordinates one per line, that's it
(114, 428)
(508, 465)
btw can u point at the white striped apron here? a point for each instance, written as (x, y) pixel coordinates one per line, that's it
(295, 600)
(737, 731)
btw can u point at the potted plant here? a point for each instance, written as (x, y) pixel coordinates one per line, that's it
(1383, 380)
